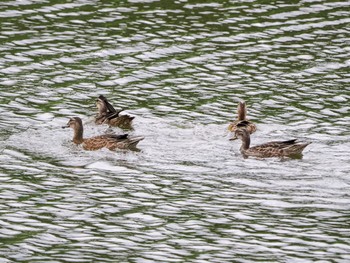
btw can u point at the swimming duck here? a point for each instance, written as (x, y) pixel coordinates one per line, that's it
(108, 115)
(288, 148)
(242, 116)
(109, 141)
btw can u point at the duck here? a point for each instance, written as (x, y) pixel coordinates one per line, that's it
(109, 141)
(242, 117)
(289, 148)
(108, 115)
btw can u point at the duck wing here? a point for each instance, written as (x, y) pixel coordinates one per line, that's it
(277, 148)
(112, 142)
(112, 115)
(119, 137)
(278, 144)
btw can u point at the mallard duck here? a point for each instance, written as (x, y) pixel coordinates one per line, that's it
(109, 141)
(242, 116)
(270, 149)
(108, 115)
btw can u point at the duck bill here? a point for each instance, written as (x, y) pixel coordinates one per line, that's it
(233, 138)
(66, 126)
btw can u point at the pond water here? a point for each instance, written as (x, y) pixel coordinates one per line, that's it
(180, 67)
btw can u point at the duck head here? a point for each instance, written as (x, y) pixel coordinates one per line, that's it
(101, 105)
(77, 125)
(73, 122)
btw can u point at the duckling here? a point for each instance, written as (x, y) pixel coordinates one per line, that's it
(108, 115)
(242, 116)
(109, 141)
(288, 148)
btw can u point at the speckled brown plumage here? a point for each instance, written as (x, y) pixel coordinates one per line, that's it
(109, 141)
(269, 149)
(242, 116)
(108, 115)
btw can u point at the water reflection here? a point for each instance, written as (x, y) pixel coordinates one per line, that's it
(180, 68)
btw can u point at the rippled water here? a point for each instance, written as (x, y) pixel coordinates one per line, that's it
(180, 67)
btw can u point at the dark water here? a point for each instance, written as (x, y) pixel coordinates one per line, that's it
(180, 67)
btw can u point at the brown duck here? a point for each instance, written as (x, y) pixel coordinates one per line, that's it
(288, 148)
(242, 116)
(108, 115)
(109, 141)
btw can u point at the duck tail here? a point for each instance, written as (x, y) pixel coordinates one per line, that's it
(297, 148)
(303, 145)
(133, 141)
(242, 111)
